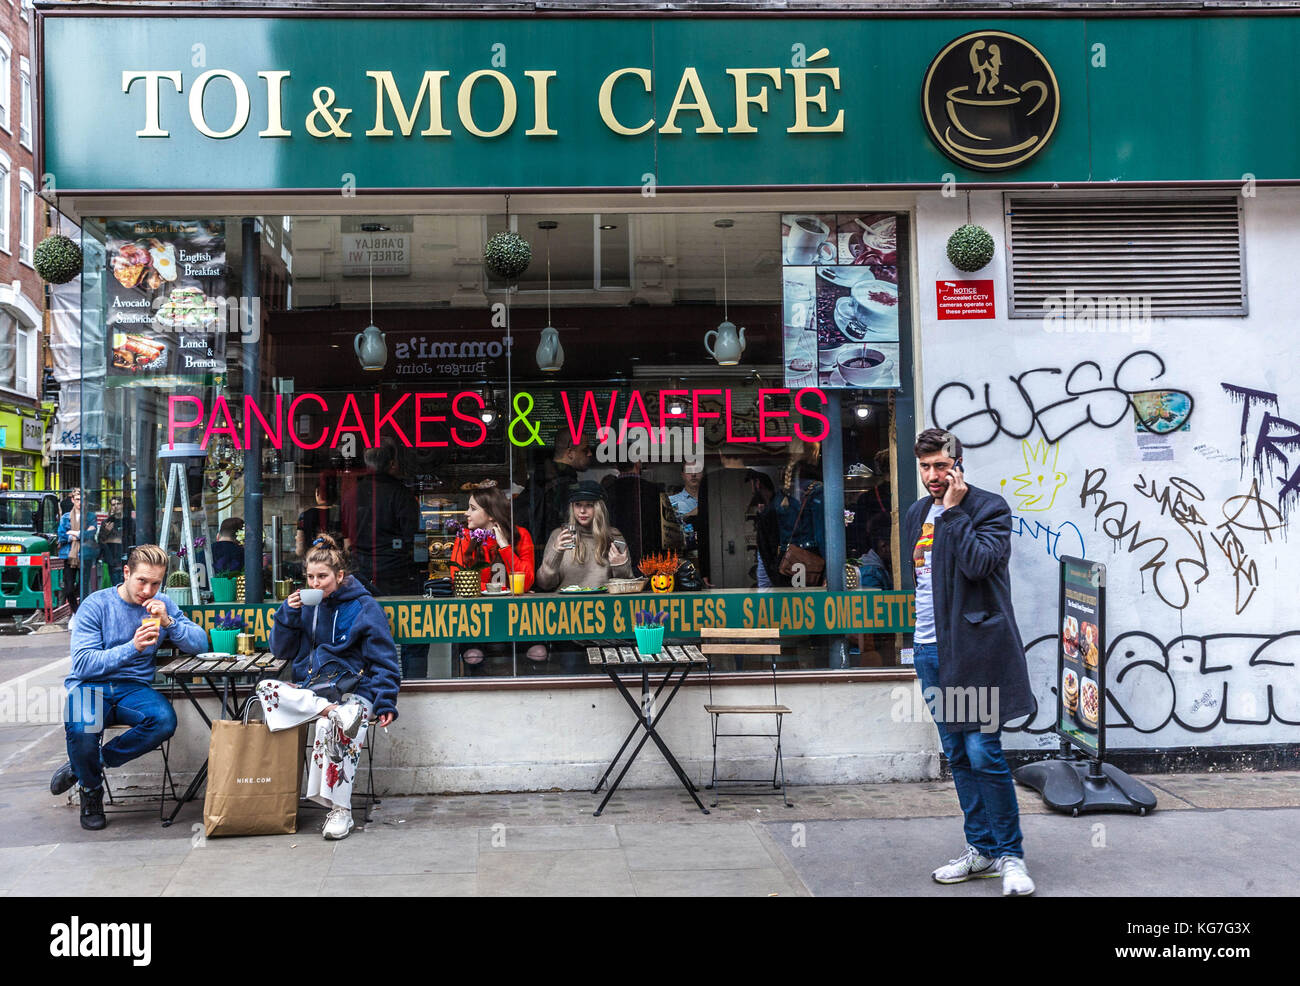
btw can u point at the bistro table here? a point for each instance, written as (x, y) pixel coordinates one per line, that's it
(617, 661)
(221, 676)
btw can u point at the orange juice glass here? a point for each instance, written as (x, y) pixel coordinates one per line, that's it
(517, 583)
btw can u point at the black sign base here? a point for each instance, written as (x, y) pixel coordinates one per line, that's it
(1085, 785)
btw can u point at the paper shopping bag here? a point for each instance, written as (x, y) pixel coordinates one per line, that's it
(253, 778)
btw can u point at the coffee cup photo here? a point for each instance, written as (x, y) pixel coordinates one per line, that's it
(809, 241)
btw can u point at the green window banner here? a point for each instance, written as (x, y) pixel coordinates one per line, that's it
(598, 616)
(332, 104)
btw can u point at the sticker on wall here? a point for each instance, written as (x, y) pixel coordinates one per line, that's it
(964, 299)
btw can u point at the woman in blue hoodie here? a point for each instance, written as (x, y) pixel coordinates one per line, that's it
(345, 676)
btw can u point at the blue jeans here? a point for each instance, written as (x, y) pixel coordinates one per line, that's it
(979, 769)
(114, 703)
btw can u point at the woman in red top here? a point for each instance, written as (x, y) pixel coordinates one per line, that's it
(512, 545)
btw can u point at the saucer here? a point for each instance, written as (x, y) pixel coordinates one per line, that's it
(844, 277)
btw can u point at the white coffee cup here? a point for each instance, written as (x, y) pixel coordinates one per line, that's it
(311, 597)
(807, 241)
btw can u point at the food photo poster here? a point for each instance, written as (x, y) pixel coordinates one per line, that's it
(168, 315)
(840, 300)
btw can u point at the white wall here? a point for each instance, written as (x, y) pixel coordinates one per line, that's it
(536, 740)
(1196, 659)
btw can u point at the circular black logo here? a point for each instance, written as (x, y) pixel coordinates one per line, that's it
(990, 100)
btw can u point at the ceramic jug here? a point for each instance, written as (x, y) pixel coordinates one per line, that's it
(371, 347)
(729, 345)
(550, 354)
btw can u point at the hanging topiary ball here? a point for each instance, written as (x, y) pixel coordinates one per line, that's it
(57, 259)
(507, 255)
(970, 248)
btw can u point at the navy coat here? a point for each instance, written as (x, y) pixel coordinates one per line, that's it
(978, 641)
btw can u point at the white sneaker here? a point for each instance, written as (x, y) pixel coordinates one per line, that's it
(970, 865)
(1015, 878)
(338, 823)
(347, 718)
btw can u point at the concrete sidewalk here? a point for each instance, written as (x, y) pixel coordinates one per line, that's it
(861, 840)
(1213, 833)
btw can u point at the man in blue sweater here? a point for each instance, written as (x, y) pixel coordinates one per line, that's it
(115, 635)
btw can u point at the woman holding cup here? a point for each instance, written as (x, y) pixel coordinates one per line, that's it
(345, 675)
(509, 545)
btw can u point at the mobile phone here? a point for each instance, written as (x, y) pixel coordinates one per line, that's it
(956, 464)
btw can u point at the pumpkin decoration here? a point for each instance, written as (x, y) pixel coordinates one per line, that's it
(660, 568)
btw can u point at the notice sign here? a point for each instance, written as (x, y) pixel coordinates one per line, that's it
(1081, 684)
(964, 299)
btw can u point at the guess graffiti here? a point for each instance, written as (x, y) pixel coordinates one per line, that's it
(1051, 402)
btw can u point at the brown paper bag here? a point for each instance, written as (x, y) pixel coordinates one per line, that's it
(253, 779)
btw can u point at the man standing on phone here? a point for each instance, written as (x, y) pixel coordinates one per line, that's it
(115, 635)
(968, 654)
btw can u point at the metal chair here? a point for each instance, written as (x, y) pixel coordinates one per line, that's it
(369, 750)
(771, 652)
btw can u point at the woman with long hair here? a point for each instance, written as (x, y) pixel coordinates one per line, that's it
(345, 675)
(509, 544)
(588, 551)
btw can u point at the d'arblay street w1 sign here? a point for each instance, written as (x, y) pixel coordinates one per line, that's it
(202, 102)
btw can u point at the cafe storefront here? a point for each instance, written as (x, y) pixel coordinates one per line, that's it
(469, 253)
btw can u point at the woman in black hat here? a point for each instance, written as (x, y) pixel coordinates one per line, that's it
(586, 551)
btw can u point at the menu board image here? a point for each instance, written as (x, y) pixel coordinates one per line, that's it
(166, 318)
(1080, 685)
(850, 275)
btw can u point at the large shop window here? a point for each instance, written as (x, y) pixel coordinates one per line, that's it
(1169, 254)
(688, 375)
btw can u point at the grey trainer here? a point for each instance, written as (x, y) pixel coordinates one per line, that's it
(970, 865)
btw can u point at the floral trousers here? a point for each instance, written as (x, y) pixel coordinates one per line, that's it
(334, 757)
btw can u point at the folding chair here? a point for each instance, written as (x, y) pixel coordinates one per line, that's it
(770, 651)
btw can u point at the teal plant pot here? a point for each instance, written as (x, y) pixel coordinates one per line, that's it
(649, 640)
(223, 590)
(224, 641)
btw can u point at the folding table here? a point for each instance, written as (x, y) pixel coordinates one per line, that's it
(220, 676)
(617, 661)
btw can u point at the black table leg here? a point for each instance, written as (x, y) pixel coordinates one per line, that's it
(647, 722)
(632, 732)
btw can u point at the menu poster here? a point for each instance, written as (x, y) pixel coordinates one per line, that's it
(840, 301)
(168, 311)
(1081, 687)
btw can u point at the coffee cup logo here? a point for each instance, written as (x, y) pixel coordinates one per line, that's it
(990, 100)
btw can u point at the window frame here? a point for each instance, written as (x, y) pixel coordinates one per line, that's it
(6, 82)
(26, 224)
(25, 95)
(6, 207)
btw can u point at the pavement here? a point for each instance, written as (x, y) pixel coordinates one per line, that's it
(848, 840)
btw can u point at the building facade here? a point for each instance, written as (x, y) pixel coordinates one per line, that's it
(286, 229)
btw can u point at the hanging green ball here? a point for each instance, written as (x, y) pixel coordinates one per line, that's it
(507, 255)
(970, 248)
(57, 259)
